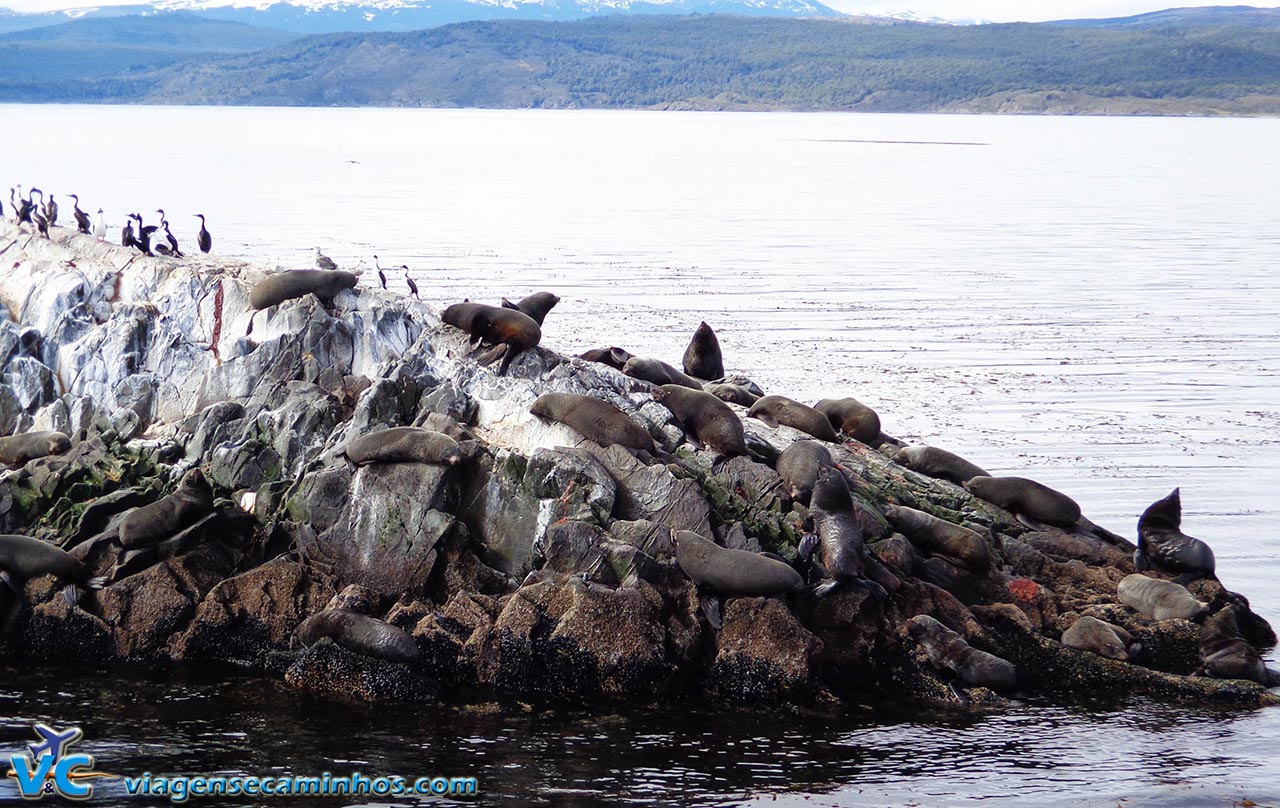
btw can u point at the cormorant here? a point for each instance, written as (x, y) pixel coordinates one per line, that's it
(126, 233)
(100, 229)
(413, 287)
(323, 261)
(51, 211)
(382, 276)
(173, 242)
(203, 239)
(82, 218)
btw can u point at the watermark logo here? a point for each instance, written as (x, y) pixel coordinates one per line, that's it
(50, 768)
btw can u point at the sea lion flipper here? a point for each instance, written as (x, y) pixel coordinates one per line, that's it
(71, 594)
(96, 582)
(807, 545)
(11, 583)
(959, 693)
(711, 610)
(826, 589)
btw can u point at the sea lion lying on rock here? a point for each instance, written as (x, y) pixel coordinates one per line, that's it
(1163, 546)
(612, 356)
(733, 573)
(403, 444)
(18, 450)
(774, 410)
(705, 417)
(799, 466)
(535, 305)
(1027, 498)
(593, 418)
(359, 633)
(22, 558)
(947, 652)
(852, 418)
(508, 330)
(702, 359)
(732, 393)
(1157, 599)
(937, 462)
(1101, 638)
(942, 538)
(658, 372)
(1224, 652)
(191, 502)
(324, 284)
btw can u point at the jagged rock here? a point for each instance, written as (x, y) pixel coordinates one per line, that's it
(329, 669)
(765, 655)
(451, 640)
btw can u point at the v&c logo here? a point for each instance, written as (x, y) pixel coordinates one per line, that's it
(51, 769)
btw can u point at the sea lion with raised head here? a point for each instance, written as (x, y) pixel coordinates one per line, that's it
(1101, 638)
(535, 305)
(508, 330)
(799, 466)
(841, 550)
(1224, 652)
(594, 419)
(18, 450)
(733, 573)
(732, 393)
(774, 410)
(294, 283)
(938, 463)
(1163, 546)
(708, 419)
(1157, 599)
(612, 356)
(851, 418)
(192, 501)
(702, 359)
(942, 538)
(1027, 498)
(403, 444)
(23, 558)
(658, 372)
(947, 651)
(359, 633)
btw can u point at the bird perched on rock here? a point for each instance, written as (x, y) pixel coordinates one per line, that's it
(82, 218)
(323, 261)
(203, 239)
(413, 287)
(100, 229)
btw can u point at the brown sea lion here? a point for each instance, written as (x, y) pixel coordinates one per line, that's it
(1027, 498)
(1163, 546)
(799, 466)
(774, 410)
(324, 284)
(947, 651)
(403, 444)
(192, 501)
(1224, 652)
(18, 450)
(22, 558)
(702, 359)
(359, 633)
(658, 372)
(593, 418)
(708, 419)
(938, 463)
(939, 537)
(508, 330)
(733, 573)
(612, 356)
(1157, 599)
(841, 550)
(1101, 638)
(732, 393)
(535, 305)
(851, 417)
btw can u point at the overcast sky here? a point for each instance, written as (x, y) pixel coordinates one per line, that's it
(987, 10)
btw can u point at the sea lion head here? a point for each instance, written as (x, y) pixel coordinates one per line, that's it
(1163, 514)
(194, 480)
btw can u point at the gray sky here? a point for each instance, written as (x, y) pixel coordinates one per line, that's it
(987, 10)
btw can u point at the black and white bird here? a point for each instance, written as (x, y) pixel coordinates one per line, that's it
(172, 245)
(203, 239)
(323, 261)
(82, 218)
(51, 211)
(127, 239)
(382, 276)
(413, 287)
(100, 229)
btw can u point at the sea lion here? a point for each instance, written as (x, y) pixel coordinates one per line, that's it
(851, 417)
(22, 558)
(358, 632)
(732, 393)
(612, 356)
(508, 330)
(192, 501)
(593, 418)
(708, 419)
(948, 651)
(1163, 546)
(403, 444)
(733, 573)
(658, 372)
(938, 463)
(18, 450)
(1101, 638)
(774, 410)
(1157, 599)
(324, 284)
(535, 305)
(1224, 653)
(702, 359)
(1027, 498)
(940, 537)
(841, 549)
(799, 466)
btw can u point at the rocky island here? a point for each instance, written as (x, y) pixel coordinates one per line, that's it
(223, 486)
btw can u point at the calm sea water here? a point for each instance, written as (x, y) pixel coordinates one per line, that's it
(1091, 302)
